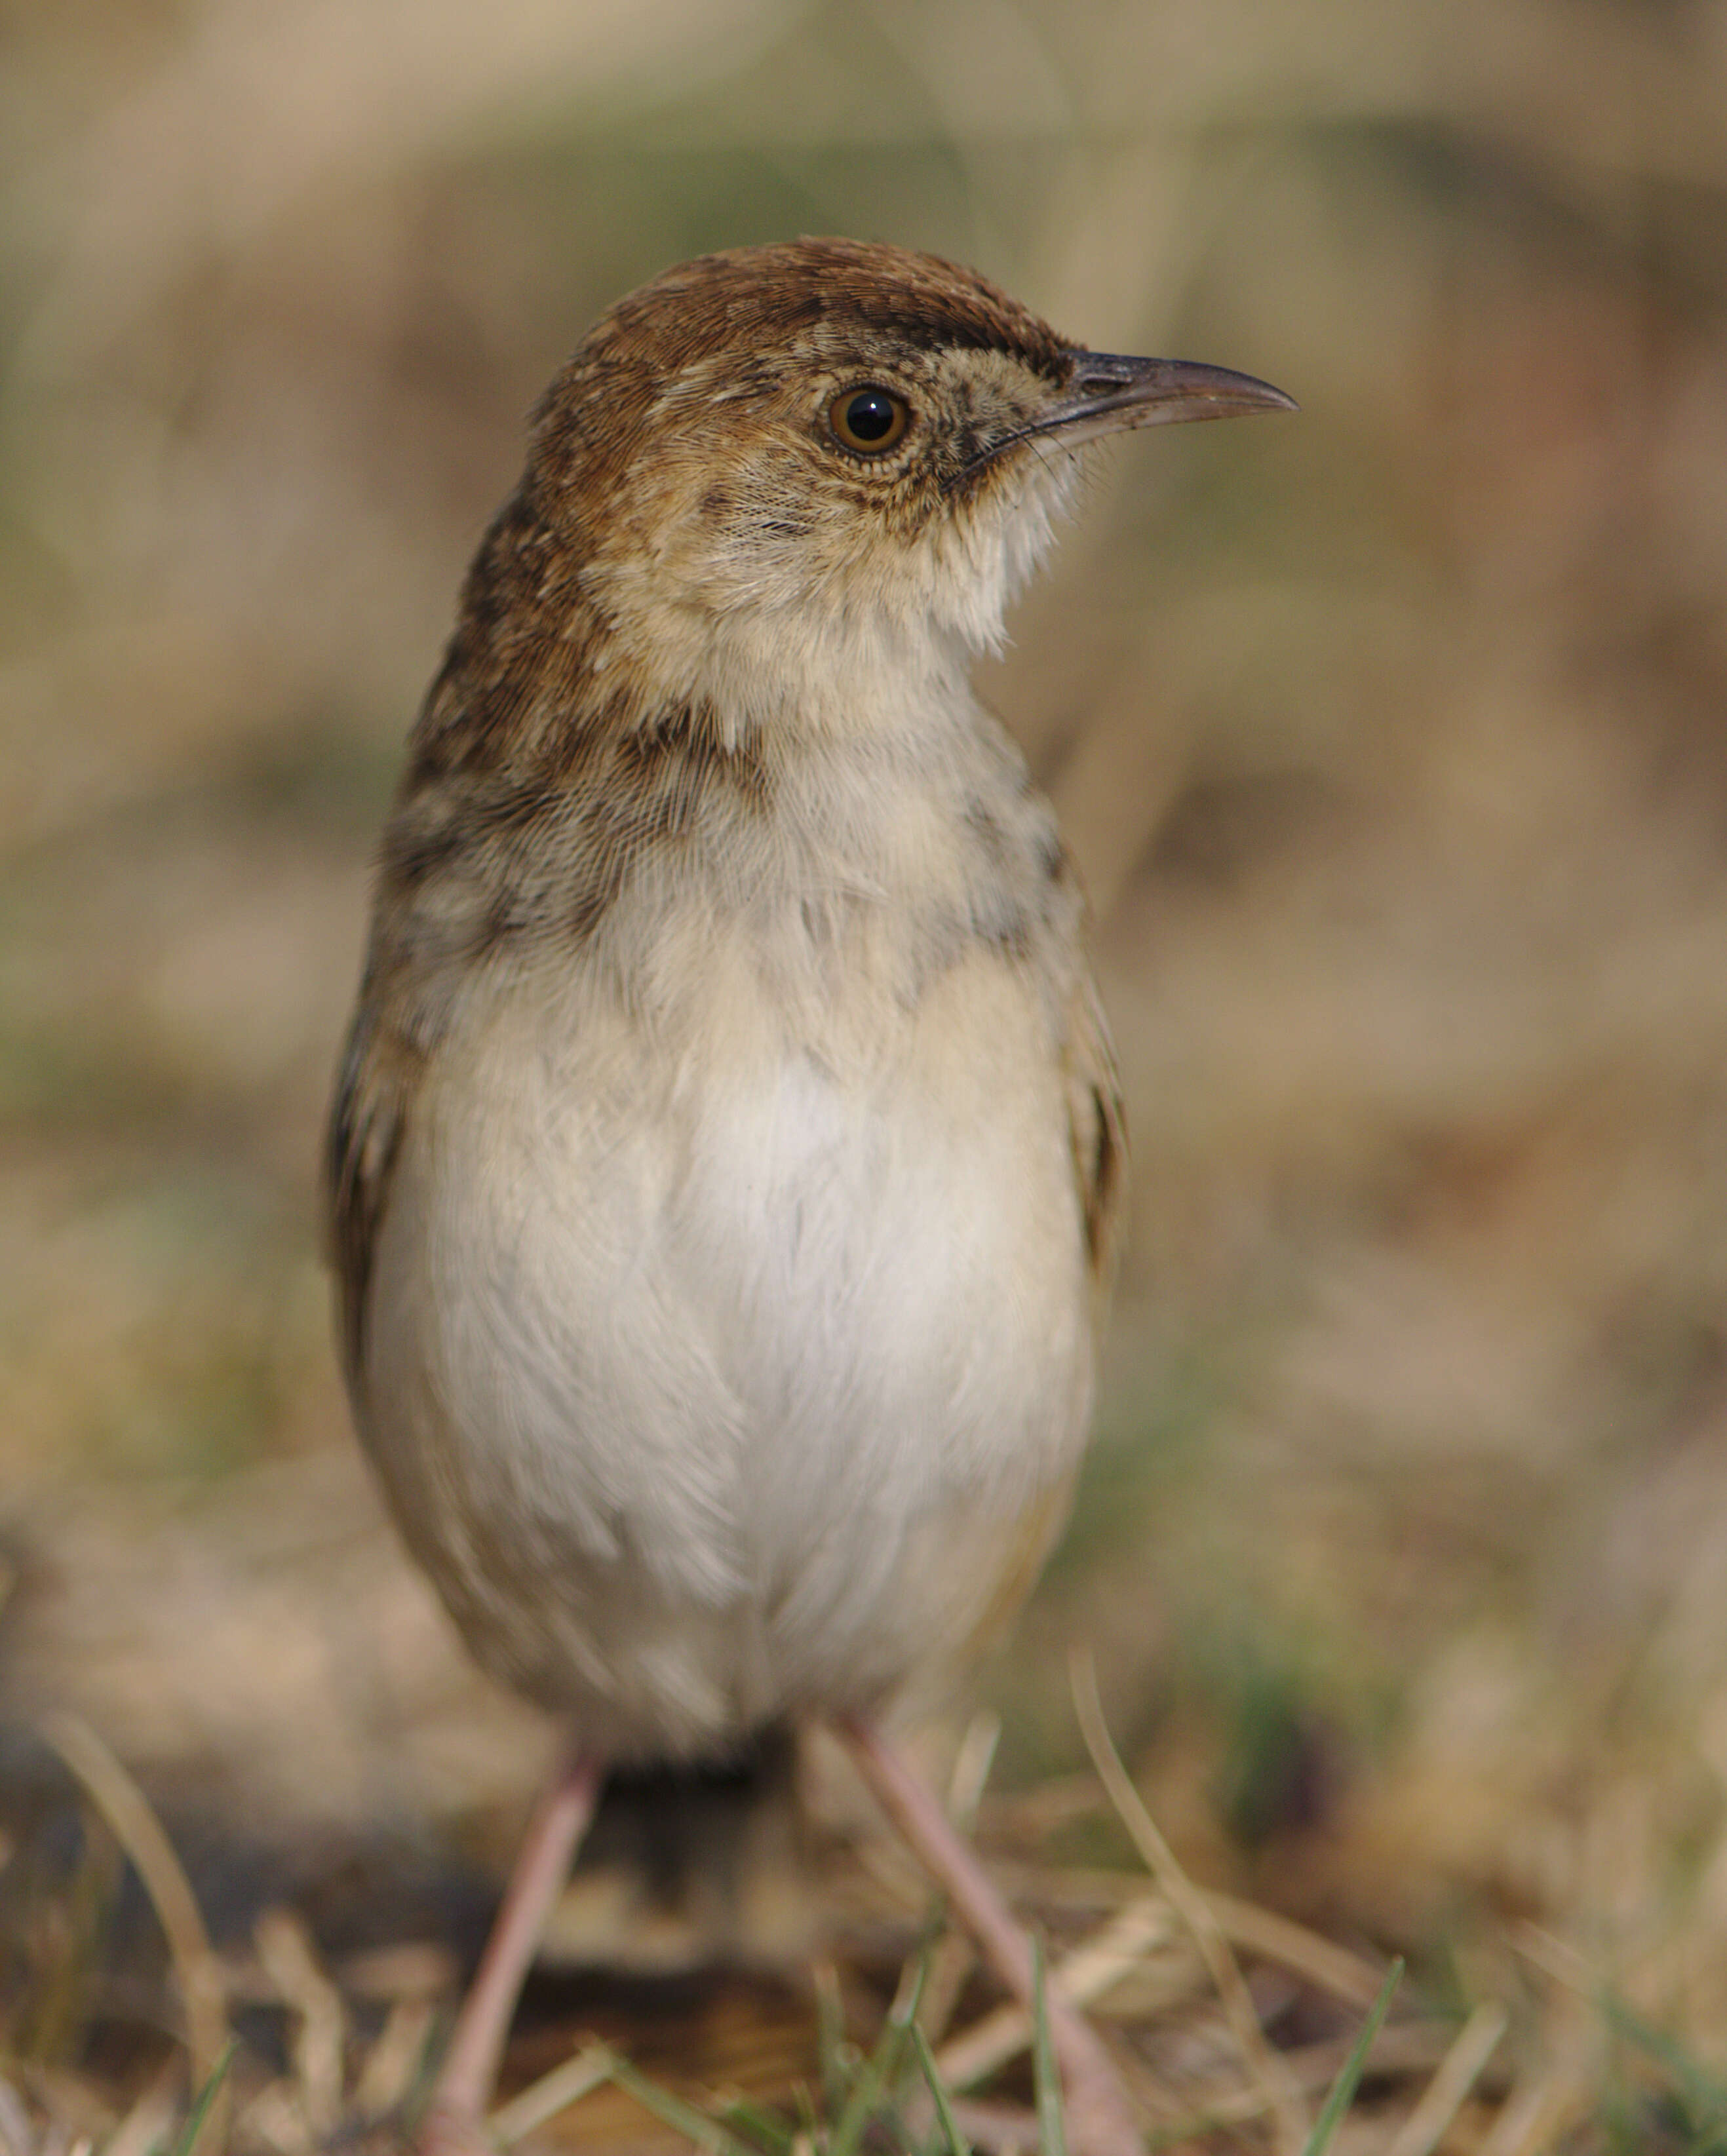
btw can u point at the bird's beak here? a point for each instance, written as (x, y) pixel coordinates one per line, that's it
(1107, 394)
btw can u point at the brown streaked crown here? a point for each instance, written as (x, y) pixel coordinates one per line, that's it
(753, 296)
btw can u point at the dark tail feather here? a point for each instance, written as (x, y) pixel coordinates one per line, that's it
(686, 1866)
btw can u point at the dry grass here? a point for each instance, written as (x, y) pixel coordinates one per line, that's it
(1391, 740)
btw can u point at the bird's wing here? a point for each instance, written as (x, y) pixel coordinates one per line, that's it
(378, 1077)
(1096, 1130)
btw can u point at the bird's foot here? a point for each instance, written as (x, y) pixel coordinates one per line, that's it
(1099, 2110)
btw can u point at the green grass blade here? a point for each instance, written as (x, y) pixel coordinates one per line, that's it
(765, 2130)
(1348, 2078)
(1047, 2081)
(872, 2092)
(804, 2102)
(830, 2045)
(700, 2127)
(954, 2141)
(858, 2110)
(206, 2097)
(1704, 2096)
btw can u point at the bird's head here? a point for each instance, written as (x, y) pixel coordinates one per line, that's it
(802, 470)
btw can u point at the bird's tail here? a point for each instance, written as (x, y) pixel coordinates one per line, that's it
(685, 1867)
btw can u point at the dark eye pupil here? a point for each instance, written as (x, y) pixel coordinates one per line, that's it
(869, 415)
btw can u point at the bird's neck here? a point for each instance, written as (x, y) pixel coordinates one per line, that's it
(803, 679)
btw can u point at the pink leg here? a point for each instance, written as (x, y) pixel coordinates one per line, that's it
(454, 2121)
(1100, 2116)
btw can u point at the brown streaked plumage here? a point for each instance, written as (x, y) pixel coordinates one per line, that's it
(725, 1170)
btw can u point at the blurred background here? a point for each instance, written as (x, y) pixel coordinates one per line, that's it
(1391, 740)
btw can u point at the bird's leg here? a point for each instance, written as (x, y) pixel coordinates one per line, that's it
(454, 2121)
(1099, 2112)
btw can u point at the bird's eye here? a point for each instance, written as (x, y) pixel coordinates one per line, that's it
(869, 420)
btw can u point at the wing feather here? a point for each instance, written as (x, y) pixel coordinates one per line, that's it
(1097, 1132)
(369, 1119)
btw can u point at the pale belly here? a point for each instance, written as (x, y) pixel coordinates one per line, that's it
(711, 1387)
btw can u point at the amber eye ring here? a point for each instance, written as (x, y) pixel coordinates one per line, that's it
(868, 419)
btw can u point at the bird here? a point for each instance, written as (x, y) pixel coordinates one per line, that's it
(725, 1171)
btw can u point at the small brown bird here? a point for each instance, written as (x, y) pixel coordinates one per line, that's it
(725, 1169)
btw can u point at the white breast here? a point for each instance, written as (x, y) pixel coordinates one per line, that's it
(722, 1370)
